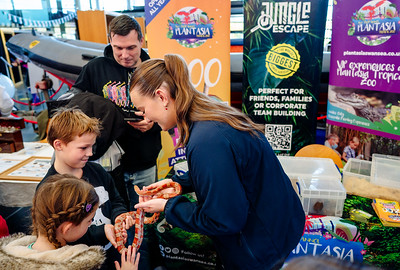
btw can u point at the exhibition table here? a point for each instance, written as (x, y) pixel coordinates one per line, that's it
(21, 171)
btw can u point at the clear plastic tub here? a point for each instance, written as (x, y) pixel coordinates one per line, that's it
(307, 167)
(357, 168)
(385, 170)
(322, 196)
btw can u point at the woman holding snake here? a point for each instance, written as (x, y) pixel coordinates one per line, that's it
(246, 203)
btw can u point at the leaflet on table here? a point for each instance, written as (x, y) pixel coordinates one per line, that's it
(388, 212)
(6, 162)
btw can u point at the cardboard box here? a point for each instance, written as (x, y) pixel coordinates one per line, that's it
(322, 196)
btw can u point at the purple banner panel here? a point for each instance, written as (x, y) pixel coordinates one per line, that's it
(365, 45)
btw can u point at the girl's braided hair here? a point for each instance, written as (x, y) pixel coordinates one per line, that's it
(58, 199)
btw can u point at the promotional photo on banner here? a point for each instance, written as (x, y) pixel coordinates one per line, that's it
(282, 58)
(199, 31)
(364, 81)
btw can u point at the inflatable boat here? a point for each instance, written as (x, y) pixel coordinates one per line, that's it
(62, 57)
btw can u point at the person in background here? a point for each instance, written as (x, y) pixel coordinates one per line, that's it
(62, 211)
(246, 203)
(332, 141)
(350, 150)
(6, 103)
(72, 134)
(109, 77)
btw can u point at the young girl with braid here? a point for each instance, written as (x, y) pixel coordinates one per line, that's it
(62, 210)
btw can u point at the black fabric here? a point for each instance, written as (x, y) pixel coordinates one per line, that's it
(118, 176)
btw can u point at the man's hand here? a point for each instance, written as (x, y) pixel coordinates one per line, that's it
(110, 234)
(143, 125)
(129, 222)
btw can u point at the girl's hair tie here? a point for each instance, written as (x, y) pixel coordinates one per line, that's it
(87, 207)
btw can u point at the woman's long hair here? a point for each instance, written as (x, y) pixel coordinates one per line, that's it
(191, 105)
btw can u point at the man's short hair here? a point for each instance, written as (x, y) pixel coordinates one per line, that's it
(123, 25)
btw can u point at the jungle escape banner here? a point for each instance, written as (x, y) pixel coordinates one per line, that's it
(364, 90)
(282, 57)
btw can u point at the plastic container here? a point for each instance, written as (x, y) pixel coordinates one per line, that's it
(385, 170)
(322, 196)
(307, 167)
(357, 168)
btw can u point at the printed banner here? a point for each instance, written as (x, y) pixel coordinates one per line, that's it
(199, 31)
(334, 236)
(364, 90)
(282, 58)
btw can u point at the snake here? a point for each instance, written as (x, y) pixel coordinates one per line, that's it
(139, 217)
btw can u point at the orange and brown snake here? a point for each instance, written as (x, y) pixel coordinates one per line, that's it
(139, 217)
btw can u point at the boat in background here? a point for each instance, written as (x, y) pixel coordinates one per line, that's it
(62, 57)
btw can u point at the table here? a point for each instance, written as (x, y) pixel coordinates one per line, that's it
(17, 191)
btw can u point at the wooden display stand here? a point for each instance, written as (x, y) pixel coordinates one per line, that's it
(10, 134)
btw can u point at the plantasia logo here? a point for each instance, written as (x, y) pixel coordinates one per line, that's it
(190, 27)
(375, 22)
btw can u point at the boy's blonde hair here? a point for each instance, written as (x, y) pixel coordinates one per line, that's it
(67, 123)
(61, 198)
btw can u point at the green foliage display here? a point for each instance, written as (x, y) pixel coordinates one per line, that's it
(384, 252)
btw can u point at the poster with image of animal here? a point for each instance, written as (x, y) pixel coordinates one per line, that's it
(364, 77)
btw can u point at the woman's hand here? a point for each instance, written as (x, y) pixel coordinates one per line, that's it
(157, 184)
(151, 205)
(129, 260)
